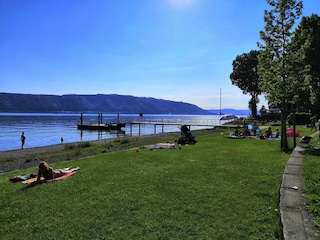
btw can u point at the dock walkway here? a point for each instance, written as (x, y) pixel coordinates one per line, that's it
(182, 121)
(177, 121)
(207, 123)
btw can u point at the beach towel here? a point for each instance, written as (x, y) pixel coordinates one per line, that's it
(19, 178)
(161, 146)
(32, 178)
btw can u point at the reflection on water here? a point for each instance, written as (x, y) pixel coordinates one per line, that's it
(48, 129)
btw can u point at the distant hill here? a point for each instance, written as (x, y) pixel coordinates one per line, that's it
(112, 103)
(229, 111)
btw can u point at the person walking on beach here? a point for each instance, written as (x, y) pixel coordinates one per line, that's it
(23, 140)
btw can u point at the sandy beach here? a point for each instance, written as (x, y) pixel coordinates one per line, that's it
(30, 157)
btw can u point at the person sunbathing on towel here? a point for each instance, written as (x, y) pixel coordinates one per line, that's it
(49, 173)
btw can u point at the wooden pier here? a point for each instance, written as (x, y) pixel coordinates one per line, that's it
(210, 123)
(116, 125)
(177, 121)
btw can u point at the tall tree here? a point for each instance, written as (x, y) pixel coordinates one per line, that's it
(245, 76)
(278, 80)
(307, 39)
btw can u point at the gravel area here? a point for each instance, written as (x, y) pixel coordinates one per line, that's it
(30, 157)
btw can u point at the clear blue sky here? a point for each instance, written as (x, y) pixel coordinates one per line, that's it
(179, 50)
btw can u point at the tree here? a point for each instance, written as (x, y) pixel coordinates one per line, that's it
(307, 39)
(277, 61)
(245, 76)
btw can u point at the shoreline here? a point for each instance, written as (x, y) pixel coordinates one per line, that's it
(11, 160)
(44, 130)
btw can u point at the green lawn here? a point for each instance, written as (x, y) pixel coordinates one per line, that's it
(221, 188)
(311, 173)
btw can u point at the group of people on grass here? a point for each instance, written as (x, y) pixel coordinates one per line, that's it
(269, 134)
(254, 130)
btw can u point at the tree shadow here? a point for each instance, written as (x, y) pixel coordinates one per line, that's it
(31, 185)
(313, 150)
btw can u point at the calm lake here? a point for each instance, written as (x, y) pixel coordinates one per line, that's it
(48, 129)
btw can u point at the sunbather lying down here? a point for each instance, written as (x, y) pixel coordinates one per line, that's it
(48, 172)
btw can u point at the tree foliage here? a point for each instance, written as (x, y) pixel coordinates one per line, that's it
(245, 76)
(277, 60)
(307, 39)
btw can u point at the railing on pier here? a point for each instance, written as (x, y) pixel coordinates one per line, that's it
(173, 122)
(167, 121)
(176, 121)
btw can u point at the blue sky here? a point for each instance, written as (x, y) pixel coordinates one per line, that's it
(180, 50)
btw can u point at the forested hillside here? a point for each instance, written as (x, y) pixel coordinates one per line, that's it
(12, 102)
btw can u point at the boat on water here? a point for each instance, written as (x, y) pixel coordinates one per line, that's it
(228, 117)
(115, 126)
(104, 127)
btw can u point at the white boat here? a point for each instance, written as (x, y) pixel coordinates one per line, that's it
(228, 117)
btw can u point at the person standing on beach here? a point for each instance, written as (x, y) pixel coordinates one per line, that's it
(23, 139)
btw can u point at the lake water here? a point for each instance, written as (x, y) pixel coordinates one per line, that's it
(47, 129)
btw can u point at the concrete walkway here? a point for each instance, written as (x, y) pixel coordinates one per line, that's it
(296, 220)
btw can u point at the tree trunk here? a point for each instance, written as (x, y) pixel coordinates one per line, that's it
(253, 106)
(294, 129)
(284, 140)
(254, 109)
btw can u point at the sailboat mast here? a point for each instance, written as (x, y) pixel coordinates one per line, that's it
(220, 102)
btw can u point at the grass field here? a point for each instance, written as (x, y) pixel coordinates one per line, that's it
(221, 188)
(311, 172)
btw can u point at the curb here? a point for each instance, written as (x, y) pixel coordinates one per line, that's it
(297, 222)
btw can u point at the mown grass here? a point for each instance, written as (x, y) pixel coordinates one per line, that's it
(220, 188)
(6, 159)
(311, 173)
(83, 149)
(110, 145)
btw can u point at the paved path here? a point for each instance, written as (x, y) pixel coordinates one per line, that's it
(296, 220)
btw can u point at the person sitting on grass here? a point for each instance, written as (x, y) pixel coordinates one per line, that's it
(255, 128)
(237, 132)
(246, 131)
(268, 133)
(48, 172)
(277, 133)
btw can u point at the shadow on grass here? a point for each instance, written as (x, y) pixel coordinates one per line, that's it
(29, 186)
(33, 184)
(313, 150)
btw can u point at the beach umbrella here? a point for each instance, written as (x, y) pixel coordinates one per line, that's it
(228, 117)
